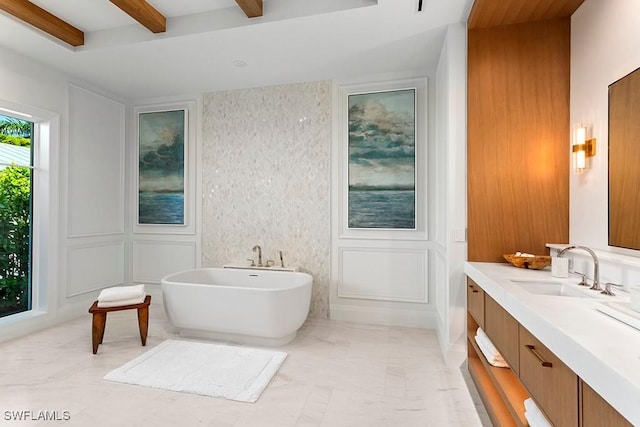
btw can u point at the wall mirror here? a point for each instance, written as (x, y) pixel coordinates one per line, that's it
(624, 162)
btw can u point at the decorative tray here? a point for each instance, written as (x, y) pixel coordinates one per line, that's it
(534, 262)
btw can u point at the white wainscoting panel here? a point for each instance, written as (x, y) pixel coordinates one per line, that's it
(383, 274)
(152, 260)
(94, 266)
(96, 164)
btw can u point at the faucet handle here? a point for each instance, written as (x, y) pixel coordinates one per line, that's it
(253, 263)
(583, 280)
(607, 288)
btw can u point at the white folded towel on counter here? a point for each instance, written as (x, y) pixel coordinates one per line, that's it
(489, 351)
(534, 415)
(121, 293)
(130, 301)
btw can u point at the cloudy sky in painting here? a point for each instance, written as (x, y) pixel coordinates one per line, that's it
(161, 145)
(382, 139)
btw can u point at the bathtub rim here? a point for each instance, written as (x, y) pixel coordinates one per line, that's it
(309, 282)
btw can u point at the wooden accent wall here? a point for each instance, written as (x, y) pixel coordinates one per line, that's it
(489, 13)
(518, 135)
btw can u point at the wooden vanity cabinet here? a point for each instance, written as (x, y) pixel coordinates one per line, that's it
(553, 386)
(475, 302)
(596, 412)
(502, 330)
(535, 371)
(501, 392)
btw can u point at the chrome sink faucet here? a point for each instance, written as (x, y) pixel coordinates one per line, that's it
(596, 267)
(259, 249)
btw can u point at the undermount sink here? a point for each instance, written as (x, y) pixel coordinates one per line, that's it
(552, 288)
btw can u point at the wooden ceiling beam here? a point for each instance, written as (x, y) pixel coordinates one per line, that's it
(251, 8)
(36, 16)
(144, 13)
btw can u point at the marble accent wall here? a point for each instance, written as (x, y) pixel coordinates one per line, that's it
(266, 164)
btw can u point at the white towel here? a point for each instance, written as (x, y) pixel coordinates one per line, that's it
(120, 293)
(534, 415)
(489, 351)
(484, 339)
(130, 301)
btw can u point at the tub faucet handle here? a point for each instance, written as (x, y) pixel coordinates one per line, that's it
(253, 263)
(259, 249)
(269, 263)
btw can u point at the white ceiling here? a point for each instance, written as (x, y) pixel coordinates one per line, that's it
(295, 40)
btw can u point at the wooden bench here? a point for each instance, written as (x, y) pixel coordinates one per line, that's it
(100, 319)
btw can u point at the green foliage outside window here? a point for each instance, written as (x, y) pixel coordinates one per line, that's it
(15, 195)
(15, 219)
(20, 141)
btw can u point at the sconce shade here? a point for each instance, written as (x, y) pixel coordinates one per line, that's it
(582, 148)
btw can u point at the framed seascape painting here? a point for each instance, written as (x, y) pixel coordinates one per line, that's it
(161, 167)
(382, 160)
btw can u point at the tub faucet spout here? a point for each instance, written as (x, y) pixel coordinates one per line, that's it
(259, 249)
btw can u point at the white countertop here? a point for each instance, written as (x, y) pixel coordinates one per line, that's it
(602, 351)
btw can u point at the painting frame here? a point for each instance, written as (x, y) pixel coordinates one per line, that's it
(381, 128)
(162, 159)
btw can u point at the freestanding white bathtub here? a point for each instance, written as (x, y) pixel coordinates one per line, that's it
(249, 306)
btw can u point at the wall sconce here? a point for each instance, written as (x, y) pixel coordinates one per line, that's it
(582, 148)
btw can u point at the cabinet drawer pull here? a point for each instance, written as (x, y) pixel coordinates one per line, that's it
(473, 289)
(533, 350)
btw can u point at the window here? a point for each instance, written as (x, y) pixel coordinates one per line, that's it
(16, 189)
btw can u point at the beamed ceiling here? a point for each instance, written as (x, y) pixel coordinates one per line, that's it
(157, 49)
(140, 10)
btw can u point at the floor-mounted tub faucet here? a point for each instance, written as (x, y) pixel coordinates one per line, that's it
(259, 249)
(596, 267)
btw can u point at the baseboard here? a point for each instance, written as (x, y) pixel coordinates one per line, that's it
(455, 353)
(384, 316)
(24, 324)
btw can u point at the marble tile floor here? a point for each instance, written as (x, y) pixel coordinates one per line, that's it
(336, 374)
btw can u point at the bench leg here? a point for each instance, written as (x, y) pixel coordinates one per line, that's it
(143, 323)
(97, 330)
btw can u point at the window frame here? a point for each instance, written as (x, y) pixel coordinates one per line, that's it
(44, 208)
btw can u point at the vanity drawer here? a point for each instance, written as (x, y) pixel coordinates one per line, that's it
(550, 382)
(475, 302)
(502, 330)
(596, 412)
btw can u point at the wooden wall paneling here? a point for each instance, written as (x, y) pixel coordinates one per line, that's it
(489, 13)
(518, 138)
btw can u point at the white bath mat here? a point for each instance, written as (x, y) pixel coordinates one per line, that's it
(236, 373)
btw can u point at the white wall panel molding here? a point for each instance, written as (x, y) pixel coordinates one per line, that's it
(154, 259)
(383, 274)
(96, 164)
(93, 266)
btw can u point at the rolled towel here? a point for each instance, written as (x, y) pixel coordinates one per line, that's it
(120, 293)
(489, 351)
(534, 415)
(493, 359)
(130, 301)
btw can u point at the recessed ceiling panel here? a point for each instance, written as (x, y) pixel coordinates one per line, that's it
(86, 15)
